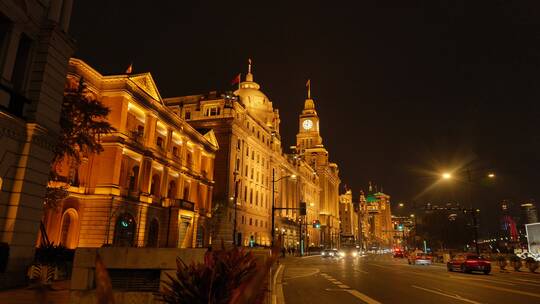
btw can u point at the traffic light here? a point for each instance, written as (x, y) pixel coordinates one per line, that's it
(316, 224)
(303, 207)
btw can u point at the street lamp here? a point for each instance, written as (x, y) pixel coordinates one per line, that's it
(446, 175)
(274, 180)
(401, 204)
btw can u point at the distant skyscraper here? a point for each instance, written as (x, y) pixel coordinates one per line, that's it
(508, 222)
(529, 214)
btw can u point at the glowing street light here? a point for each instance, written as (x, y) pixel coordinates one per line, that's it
(446, 175)
(491, 175)
(401, 204)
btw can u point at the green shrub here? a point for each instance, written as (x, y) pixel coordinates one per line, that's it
(225, 276)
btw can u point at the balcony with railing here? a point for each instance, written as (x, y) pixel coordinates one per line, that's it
(179, 203)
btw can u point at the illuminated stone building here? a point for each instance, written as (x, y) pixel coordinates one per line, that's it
(381, 230)
(250, 158)
(34, 53)
(152, 184)
(348, 219)
(309, 145)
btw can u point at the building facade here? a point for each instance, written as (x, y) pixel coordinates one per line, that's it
(252, 169)
(310, 147)
(152, 184)
(348, 216)
(379, 217)
(34, 53)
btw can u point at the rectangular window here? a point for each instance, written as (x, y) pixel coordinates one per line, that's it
(213, 111)
(187, 114)
(22, 63)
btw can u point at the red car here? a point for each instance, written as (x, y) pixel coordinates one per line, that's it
(468, 263)
(398, 253)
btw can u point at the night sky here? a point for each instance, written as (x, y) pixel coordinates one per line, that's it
(403, 92)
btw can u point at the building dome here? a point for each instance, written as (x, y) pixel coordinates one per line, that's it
(250, 94)
(253, 99)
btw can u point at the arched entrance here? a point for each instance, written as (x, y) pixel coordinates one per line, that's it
(153, 234)
(69, 231)
(124, 231)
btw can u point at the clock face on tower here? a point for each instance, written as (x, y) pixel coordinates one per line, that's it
(307, 124)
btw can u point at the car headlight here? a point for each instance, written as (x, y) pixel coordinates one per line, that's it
(324, 253)
(355, 254)
(341, 253)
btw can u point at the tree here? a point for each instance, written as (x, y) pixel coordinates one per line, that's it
(82, 122)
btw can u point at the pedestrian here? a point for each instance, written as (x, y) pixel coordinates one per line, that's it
(283, 251)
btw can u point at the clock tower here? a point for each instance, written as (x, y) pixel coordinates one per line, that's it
(308, 134)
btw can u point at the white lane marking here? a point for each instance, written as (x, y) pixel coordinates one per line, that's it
(480, 280)
(361, 271)
(457, 297)
(344, 286)
(277, 273)
(525, 280)
(337, 282)
(362, 296)
(313, 271)
(536, 295)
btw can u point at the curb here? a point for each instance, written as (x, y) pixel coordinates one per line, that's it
(277, 287)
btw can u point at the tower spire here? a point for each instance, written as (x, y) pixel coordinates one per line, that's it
(249, 76)
(308, 86)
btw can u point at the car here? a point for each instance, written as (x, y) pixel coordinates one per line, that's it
(350, 252)
(468, 263)
(398, 253)
(330, 253)
(419, 258)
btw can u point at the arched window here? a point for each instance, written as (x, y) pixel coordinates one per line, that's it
(133, 177)
(171, 191)
(153, 234)
(124, 231)
(69, 231)
(186, 192)
(154, 187)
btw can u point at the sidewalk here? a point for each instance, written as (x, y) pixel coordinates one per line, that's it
(58, 293)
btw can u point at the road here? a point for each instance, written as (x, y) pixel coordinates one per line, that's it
(376, 279)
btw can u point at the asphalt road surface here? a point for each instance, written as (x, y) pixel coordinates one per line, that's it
(382, 279)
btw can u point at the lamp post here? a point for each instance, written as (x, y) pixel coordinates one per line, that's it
(274, 180)
(235, 201)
